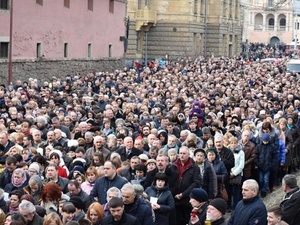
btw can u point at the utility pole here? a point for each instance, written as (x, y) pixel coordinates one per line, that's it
(205, 28)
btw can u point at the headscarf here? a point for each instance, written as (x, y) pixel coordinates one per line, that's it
(24, 178)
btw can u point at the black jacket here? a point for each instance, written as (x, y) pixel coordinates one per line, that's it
(290, 207)
(190, 179)
(124, 156)
(126, 219)
(165, 200)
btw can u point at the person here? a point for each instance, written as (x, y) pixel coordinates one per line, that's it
(129, 173)
(110, 179)
(91, 176)
(251, 209)
(67, 212)
(161, 199)
(79, 205)
(210, 183)
(236, 172)
(216, 211)
(14, 200)
(265, 160)
(3, 204)
(249, 151)
(15, 219)
(98, 147)
(52, 219)
(275, 216)
(136, 206)
(112, 192)
(188, 178)
(6, 175)
(75, 190)
(128, 150)
(52, 175)
(28, 210)
(95, 213)
(219, 167)
(34, 188)
(118, 216)
(51, 195)
(290, 204)
(199, 202)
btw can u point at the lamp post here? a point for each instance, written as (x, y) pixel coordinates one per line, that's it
(10, 75)
(205, 28)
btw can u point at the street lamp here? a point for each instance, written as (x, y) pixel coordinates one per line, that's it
(10, 75)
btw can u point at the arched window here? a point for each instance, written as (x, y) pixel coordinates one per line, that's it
(271, 23)
(282, 24)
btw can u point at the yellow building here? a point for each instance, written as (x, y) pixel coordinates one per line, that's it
(180, 28)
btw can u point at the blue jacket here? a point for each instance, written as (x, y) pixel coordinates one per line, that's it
(141, 210)
(165, 200)
(281, 152)
(266, 157)
(102, 184)
(249, 211)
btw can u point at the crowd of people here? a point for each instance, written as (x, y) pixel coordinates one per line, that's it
(182, 143)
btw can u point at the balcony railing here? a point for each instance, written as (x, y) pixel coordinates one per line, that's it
(145, 17)
(269, 27)
(282, 28)
(258, 27)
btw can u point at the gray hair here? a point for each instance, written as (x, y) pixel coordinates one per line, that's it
(128, 187)
(27, 205)
(290, 180)
(253, 185)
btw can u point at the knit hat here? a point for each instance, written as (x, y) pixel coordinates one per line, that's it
(34, 166)
(265, 137)
(199, 195)
(220, 204)
(77, 202)
(79, 168)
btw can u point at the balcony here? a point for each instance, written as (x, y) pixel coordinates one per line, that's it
(145, 18)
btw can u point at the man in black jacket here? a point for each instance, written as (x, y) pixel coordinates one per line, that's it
(117, 215)
(290, 204)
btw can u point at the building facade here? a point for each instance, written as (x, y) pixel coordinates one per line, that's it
(175, 29)
(62, 30)
(269, 21)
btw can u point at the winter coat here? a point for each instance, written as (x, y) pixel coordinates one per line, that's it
(281, 154)
(165, 200)
(102, 184)
(190, 179)
(239, 161)
(3, 205)
(171, 174)
(85, 199)
(290, 207)
(5, 178)
(273, 137)
(266, 156)
(249, 150)
(87, 187)
(141, 210)
(210, 183)
(227, 158)
(249, 211)
(126, 219)
(220, 171)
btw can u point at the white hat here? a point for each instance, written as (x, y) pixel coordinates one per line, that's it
(34, 166)
(143, 157)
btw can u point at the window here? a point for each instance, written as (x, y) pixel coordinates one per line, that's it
(270, 3)
(89, 50)
(139, 4)
(38, 50)
(40, 2)
(4, 49)
(111, 6)
(67, 3)
(138, 41)
(90, 5)
(4, 4)
(66, 50)
(109, 50)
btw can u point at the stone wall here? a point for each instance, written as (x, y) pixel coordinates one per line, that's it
(45, 69)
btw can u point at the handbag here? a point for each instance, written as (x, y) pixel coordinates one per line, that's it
(236, 180)
(223, 191)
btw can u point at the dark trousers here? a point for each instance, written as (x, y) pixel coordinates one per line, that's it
(183, 214)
